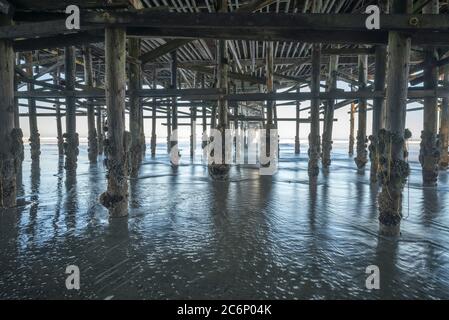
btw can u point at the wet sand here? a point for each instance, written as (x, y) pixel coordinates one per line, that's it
(252, 237)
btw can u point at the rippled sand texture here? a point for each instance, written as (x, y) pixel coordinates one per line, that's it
(252, 237)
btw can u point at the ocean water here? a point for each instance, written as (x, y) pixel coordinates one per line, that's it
(252, 237)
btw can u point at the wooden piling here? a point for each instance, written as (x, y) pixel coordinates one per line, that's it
(444, 126)
(92, 132)
(143, 142)
(135, 106)
(16, 99)
(153, 119)
(9, 150)
(18, 133)
(71, 136)
(362, 153)
(235, 109)
(352, 128)
(173, 139)
(314, 136)
(298, 116)
(329, 112)
(99, 119)
(378, 110)
(395, 170)
(204, 117)
(270, 107)
(193, 116)
(35, 144)
(169, 126)
(115, 199)
(220, 169)
(59, 134)
(429, 152)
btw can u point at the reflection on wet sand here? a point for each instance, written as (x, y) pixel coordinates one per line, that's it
(281, 237)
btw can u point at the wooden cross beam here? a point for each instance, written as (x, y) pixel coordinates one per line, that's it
(216, 94)
(324, 28)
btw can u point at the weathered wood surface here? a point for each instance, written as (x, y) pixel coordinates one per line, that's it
(57, 106)
(238, 21)
(378, 110)
(429, 151)
(323, 28)
(329, 113)
(444, 126)
(115, 199)
(92, 131)
(395, 170)
(218, 168)
(173, 139)
(9, 146)
(362, 153)
(34, 130)
(71, 136)
(153, 114)
(136, 150)
(99, 120)
(314, 135)
(297, 126)
(211, 94)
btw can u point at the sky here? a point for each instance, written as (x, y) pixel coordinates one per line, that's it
(47, 125)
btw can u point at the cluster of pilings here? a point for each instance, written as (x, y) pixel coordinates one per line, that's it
(219, 106)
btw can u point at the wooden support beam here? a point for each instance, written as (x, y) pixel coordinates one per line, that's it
(314, 136)
(333, 28)
(218, 168)
(237, 21)
(352, 128)
(19, 150)
(204, 117)
(8, 135)
(428, 155)
(270, 106)
(379, 85)
(314, 151)
(329, 113)
(362, 153)
(115, 199)
(56, 77)
(92, 132)
(444, 126)
(193, 115)
(136, 150)
(58, 41)
(391, 140)
(153, 123)
(99, 119)
(71, 136)
(378, 110)
(173, 138)
(270, 85)
(327, 28)
(297, 122)
(34, 130)
(163, 49)
(212, 94)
